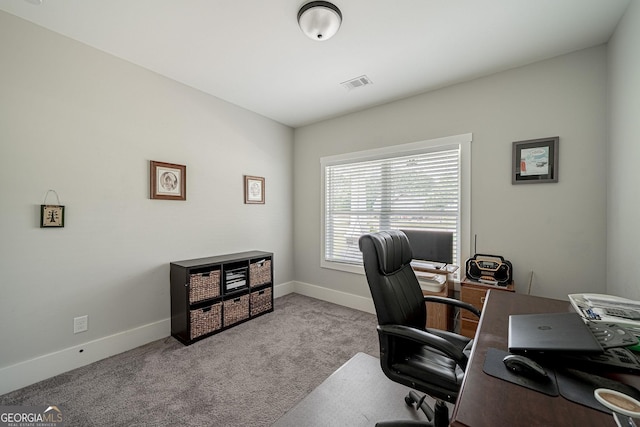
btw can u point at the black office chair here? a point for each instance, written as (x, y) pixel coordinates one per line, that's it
(430, 360)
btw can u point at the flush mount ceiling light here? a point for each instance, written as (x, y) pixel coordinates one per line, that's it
(319, 20)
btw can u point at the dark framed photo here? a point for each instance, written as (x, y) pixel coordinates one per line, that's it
(535, 161)
(51, 216)
(253, 189)
(168, 181)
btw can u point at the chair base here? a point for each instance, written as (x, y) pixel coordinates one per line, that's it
(437, 417)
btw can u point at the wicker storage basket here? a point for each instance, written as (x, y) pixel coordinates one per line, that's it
(203, 286)
(205, 320)
(236, 310)
(260, 273)
(260, 301)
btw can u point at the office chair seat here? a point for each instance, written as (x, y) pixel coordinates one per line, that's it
(429, 360)
(442, 371)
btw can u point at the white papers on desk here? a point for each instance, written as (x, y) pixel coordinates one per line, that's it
(432, 275)
(596, 303)
(431, 282)
(418, 264)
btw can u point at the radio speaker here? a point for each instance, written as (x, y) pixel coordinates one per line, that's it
(492, 269)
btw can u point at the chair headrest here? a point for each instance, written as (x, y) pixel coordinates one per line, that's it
(393, 250)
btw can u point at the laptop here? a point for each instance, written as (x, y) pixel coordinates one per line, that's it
(551, 332)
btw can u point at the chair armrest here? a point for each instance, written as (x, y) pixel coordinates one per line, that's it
(425, 338)
(452, 301)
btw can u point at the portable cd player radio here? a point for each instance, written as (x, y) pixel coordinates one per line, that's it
(492, 269)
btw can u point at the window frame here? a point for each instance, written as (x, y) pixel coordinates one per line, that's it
(463, 141)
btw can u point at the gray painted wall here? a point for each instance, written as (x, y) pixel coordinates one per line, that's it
(555, 230)
(623, 189)
(86, 124)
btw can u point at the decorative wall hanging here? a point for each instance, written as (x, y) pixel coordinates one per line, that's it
(51, 216)
(253, 189)
(168, 181)
(535, 161)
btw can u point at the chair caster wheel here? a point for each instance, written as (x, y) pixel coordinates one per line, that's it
(408, 400)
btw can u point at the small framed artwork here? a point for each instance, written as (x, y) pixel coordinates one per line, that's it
(253, 189)
(168, 181)
(51, 216)
(535, 161)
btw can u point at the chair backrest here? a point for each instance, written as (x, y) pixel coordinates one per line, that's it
(396, 293)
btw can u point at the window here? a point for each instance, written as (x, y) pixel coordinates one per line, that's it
(422, 185)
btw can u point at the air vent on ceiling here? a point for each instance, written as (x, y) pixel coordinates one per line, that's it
(357, 82)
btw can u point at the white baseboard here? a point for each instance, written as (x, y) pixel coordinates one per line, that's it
(283, 289)
(37, 369)
(46, 366)
(337, 297)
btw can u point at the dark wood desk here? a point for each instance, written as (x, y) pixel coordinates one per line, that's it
(485, 401)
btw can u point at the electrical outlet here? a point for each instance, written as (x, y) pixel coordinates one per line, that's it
(80, 324)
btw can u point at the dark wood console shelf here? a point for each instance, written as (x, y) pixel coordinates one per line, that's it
(209, 295)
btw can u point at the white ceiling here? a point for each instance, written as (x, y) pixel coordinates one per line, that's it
(252, 53)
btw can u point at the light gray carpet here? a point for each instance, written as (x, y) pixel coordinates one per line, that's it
(357, 394)
(249, 375)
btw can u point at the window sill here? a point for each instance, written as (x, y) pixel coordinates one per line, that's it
(349, 268)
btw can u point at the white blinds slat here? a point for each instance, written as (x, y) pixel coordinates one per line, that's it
(419, 191)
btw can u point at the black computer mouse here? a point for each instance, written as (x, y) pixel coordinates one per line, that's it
(522, 365)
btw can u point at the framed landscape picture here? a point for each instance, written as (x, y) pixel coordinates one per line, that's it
(535, 161)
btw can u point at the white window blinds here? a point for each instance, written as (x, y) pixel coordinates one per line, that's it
(417, 190)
